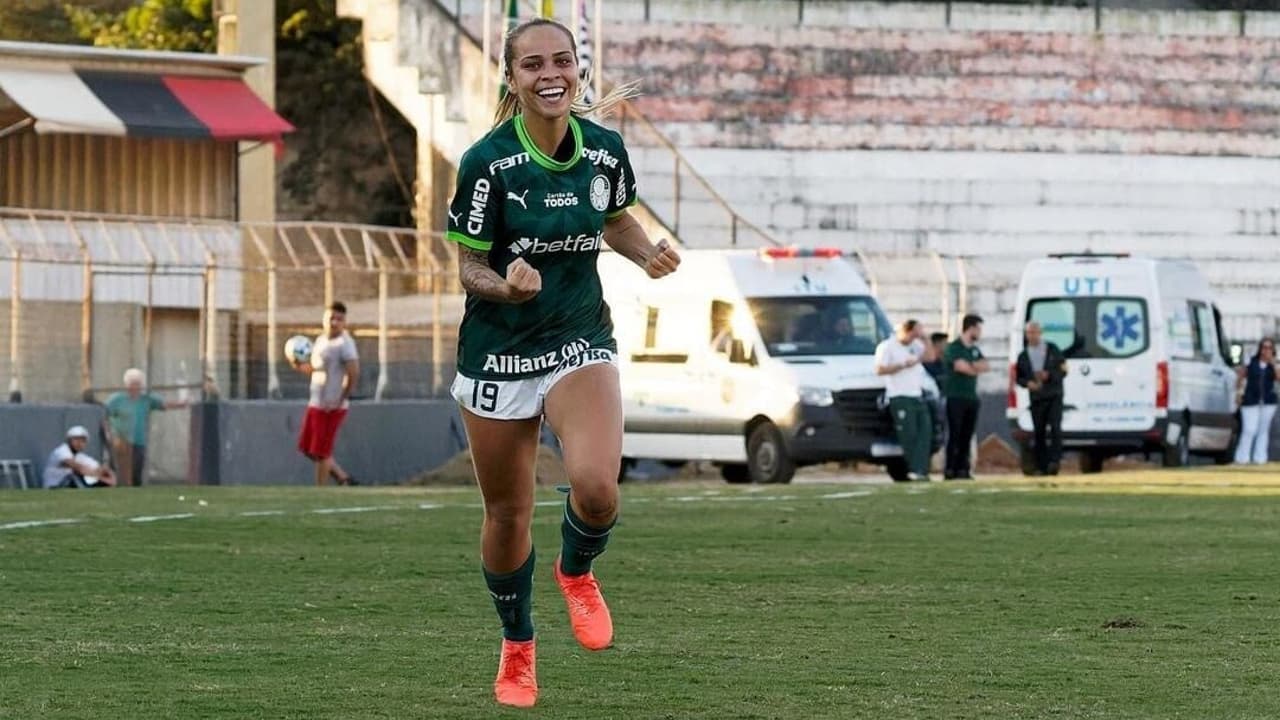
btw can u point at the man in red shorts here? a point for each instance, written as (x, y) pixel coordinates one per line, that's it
(334, 369)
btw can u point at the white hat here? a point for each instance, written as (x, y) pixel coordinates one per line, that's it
(78, 431)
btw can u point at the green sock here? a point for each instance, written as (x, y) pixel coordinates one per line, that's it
(581, 542)
(513, 598)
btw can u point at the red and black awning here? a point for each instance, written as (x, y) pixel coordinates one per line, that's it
(98, 102)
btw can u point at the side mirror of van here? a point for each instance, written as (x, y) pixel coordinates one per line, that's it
(1237, 354)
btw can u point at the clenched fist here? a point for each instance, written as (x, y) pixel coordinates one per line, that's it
(524, 282)
(663, 261)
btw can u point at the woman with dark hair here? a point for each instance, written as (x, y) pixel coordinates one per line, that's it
(1258, 406)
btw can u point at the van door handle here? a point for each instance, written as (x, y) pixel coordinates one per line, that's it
(1101, 382)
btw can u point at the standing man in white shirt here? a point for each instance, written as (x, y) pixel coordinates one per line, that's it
(334, 369)
(898, 359)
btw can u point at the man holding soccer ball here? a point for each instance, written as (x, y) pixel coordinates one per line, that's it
(334, 367)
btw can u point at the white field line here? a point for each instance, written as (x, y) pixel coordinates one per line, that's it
(749, 495)
(23, 524)
(153, 518)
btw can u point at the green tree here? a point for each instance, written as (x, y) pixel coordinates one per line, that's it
(185, 25)
(339, 167)
(46, 20)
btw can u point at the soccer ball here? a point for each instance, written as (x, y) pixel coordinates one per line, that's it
(298, 348)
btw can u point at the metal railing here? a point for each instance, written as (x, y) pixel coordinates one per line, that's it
(207, 304)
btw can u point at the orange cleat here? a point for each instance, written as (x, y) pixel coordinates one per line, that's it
(517, 681)
(588, 614)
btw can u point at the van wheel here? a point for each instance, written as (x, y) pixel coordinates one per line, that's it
(1179, 453)
(1228, 455)
(898, 470)
(767, 456)
(1091, 462)
(735, 473)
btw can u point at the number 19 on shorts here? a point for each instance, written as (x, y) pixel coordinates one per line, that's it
(484, 396)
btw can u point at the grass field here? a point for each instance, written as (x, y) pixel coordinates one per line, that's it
(1143, 595)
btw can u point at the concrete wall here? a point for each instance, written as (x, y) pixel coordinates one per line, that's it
(31, 432)
(380, 443)
(827, 87)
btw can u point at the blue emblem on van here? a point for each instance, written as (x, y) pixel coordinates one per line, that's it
(1119, 327)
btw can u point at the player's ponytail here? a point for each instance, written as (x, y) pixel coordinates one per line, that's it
(509, 105)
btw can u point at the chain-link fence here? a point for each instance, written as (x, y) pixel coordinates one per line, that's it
(205, 307)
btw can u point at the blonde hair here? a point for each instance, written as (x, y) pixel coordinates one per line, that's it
(509, 105)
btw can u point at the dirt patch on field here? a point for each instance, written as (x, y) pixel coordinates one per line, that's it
(459, 470)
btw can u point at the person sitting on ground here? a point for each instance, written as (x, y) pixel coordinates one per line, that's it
(69, 466)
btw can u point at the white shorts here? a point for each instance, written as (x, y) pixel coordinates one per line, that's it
(521, 399)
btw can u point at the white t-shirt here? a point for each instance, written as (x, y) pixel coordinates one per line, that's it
(55, 471)
(328, 360)
(908, 382)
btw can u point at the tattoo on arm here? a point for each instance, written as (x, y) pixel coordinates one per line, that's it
(628, 239)
(478, 278)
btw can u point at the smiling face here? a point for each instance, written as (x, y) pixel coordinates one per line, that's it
(543, 68)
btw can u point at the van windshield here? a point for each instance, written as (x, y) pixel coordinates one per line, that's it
(1093, 327)
(828, 325)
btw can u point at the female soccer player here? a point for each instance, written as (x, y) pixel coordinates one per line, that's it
(535, 199)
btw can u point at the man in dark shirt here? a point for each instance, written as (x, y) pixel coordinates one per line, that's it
(964, 362)
(936, 367)
(1040, 369)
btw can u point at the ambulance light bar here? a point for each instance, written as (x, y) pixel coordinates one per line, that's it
(777, 253)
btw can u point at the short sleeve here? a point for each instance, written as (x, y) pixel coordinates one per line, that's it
(949, 356)
(473, 213)
(155, 401)
(881, 352)
(624, 182)
(61, 454)
(348, 352)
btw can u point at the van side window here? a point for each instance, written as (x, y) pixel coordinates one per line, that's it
(1224, 345)
(1204, 331)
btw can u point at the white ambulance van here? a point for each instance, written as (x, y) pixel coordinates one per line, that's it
(1148, 367)
(757, 361)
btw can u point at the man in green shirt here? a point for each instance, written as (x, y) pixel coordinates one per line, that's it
(963, 362)
(128, 418)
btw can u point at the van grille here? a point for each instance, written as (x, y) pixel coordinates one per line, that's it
(861, 411)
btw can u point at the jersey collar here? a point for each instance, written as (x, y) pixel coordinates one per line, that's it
(542, 158)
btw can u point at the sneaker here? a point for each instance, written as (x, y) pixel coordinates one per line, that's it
(588, 614)
(517, 681)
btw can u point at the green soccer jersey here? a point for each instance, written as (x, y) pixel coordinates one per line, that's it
(513, 201)
(956, 384)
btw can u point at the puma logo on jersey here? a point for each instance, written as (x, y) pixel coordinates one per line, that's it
(456, 219)
(518, 198)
